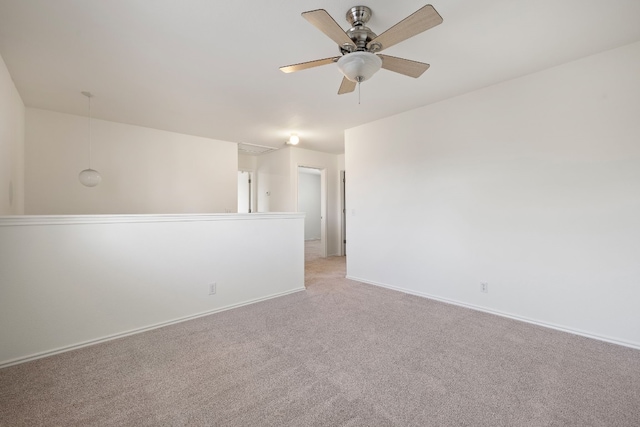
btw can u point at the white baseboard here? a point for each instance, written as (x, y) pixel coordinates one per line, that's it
(40, 355)
(502, 314)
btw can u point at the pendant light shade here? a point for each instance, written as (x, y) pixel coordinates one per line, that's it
(359, 66)
(89, 177)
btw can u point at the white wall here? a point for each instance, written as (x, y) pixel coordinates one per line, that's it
(143, 170)
(11, 146)
(68, 281)
(309, 203)
(274, 182)
(247, 162)
(532, 185)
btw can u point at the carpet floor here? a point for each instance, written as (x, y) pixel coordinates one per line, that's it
(340, 353)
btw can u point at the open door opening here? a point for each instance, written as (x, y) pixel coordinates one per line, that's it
(311, 199)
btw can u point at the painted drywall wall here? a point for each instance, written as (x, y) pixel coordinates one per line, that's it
(247, 162)
(11, 146)
(274, 182)
(532, 186)
(309, 203)
(144, 171)
(68, 281)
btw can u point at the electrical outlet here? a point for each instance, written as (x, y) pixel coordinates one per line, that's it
(484, 287)
(212, 288)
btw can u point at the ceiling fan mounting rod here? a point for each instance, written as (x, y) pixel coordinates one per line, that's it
(358, 15)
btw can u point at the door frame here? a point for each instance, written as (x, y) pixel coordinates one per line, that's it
(343, 214)
(323, 202)
(253, 202)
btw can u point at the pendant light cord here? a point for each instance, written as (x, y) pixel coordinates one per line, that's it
(89, 177)
(89, 96)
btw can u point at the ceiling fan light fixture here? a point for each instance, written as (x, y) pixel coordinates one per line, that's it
(359, 66)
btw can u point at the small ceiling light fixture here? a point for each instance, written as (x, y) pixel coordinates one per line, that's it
(293, 139)
(89, 177)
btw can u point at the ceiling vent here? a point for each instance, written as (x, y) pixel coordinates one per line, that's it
(254, 149)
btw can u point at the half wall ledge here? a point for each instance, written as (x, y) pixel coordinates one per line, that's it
(67, 281)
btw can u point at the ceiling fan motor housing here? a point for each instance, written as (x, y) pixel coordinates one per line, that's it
(361, 64)
(358, 16)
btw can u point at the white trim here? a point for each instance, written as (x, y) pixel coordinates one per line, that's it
(253, 187)
(342, 212)
(140, 330)
(503, 314)
(22, 220)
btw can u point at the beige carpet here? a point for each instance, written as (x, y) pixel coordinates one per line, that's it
(312, 250)
(339, 354)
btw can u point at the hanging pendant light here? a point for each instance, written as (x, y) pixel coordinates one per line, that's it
(89, 177)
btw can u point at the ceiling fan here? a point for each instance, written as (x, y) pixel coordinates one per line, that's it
(359, 45)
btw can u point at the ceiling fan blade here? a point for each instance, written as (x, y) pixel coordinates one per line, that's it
(403, 66)
(346, 86)
(310, 64)
(324, 22)
(419, 21)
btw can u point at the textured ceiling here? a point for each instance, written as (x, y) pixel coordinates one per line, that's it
(210, 68)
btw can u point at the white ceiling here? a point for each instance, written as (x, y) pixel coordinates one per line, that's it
(210, 68)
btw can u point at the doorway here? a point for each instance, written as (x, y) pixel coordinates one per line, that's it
(343, 212)
(311, 199)
(245, 198)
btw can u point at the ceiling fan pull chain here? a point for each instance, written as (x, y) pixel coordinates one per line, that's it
(358, 93)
